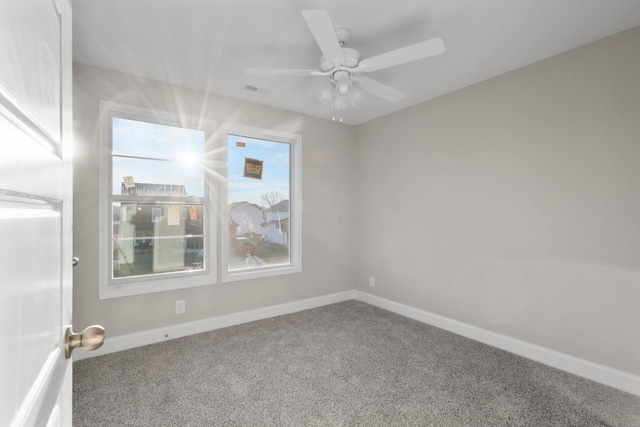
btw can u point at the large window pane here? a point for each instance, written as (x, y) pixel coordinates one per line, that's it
(259, 192)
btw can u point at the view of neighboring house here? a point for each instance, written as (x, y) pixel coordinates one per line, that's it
(272, 223)
(244, 218)
(276, 224)
(156, 237)
(144, 189)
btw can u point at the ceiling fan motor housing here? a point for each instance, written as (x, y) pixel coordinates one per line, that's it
(351, 59)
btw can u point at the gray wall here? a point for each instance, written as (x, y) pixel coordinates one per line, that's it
(514, 204)
(328, 233)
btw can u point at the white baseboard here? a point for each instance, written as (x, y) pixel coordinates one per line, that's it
(592, 371)
(139, 339)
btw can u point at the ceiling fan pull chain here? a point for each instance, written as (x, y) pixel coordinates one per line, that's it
(333, 102)
(336, 94)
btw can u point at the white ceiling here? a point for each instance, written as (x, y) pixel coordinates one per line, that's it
(205, 44)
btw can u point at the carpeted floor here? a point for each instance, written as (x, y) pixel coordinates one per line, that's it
(347, 364)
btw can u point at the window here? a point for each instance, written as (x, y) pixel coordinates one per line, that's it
(156, 213)
(159, 173)
(263, 204)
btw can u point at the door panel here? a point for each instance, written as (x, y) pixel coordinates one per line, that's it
(35, 211)
(30, 31)
(31, 230)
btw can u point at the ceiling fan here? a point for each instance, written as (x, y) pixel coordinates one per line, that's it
(345, 68)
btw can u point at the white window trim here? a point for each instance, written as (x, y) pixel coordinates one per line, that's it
(113, 288)
(295, 213)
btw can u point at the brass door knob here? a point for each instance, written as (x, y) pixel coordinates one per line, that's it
(90, 339)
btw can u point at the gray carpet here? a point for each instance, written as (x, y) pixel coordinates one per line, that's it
(347, 364)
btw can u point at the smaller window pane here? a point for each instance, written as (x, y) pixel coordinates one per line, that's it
(148, 154)
(151, 238)
(152, 140)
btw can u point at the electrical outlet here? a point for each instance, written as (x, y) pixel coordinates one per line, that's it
(181, 306)
(372, 282)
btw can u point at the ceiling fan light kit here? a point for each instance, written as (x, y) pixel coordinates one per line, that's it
(344, 65)
(329, 95)
(343, 82)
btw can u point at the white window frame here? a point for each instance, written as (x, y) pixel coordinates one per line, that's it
(136, 285)
(295, 206)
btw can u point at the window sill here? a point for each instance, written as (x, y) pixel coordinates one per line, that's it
(161, 284)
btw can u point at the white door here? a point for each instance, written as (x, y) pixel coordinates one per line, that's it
(35, 212)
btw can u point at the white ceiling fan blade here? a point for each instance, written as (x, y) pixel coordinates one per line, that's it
(403, 55)
(282, 72)
(379, 89)
(319, 23)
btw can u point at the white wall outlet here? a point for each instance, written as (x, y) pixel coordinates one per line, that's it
(372, 282)
(181, 306)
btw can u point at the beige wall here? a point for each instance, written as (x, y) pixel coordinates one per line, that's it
(514, 204)
(328, 234)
